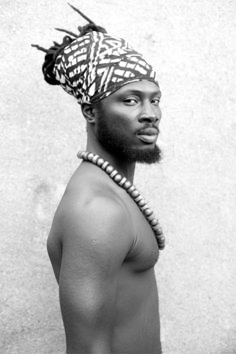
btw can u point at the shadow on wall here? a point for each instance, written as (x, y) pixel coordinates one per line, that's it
(46, 198)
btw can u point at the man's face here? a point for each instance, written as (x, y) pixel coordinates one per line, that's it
(128, 120)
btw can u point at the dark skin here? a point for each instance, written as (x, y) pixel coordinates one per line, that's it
(101, 247)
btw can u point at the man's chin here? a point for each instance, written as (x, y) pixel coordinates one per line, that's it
(148, 156)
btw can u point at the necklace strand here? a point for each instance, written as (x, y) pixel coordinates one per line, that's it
(130, 189)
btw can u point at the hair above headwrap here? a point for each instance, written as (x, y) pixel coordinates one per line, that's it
(93, 65)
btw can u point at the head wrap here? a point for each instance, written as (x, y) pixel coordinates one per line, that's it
(93, 65)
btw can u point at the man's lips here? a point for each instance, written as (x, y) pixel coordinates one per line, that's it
(148, 135)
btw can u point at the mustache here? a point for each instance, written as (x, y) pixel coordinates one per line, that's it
(149, 130)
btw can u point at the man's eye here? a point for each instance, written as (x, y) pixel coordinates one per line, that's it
(130, 101)
(156, 101)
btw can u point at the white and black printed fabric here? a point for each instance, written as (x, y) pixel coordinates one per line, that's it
(95, 65)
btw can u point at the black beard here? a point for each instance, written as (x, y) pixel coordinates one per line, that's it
(111, 140)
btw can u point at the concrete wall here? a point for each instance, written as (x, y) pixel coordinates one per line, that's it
(192, 45)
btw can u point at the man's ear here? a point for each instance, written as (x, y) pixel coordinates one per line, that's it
(88, 112)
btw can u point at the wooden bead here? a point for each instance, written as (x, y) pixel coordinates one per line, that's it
(113, 173)
(138, 199)
(154, 222)
(117, 177)
(127, 185)
(86, 155)
(142, 204)
(124, 179)
(131, 189)
(100, 161)
(148, 212)
(95, 159)
(135, 194)
(104, 165)
(90, 157)
(109, 169)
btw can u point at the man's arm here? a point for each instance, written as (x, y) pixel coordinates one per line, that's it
(96, 240)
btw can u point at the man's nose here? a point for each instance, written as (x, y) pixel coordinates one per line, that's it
(150, 113)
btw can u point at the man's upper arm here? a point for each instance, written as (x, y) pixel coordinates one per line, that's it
(95, 243)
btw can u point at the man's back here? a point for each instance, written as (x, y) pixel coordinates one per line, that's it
(103, 252)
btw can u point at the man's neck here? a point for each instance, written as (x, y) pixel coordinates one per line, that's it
(124, 167)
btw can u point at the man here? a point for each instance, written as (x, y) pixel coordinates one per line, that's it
(103, 243)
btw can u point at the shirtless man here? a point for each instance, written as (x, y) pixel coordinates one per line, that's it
(101, 245)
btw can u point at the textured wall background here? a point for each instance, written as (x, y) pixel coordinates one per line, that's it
(192, 45)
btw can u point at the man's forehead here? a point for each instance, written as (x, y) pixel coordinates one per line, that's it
(140, 86)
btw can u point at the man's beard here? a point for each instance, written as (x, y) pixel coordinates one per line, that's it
(119, 146)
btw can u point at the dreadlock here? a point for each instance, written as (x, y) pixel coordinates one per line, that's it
(53, 52)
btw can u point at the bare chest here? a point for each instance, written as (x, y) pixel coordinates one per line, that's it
(144, 253)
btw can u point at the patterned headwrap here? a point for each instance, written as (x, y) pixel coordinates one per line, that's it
(93, 65)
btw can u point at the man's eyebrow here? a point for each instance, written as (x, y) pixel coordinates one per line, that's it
(141, 92)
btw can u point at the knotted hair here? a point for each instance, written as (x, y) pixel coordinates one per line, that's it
(91, 65)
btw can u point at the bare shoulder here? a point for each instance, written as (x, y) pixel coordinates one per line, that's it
(98, 222)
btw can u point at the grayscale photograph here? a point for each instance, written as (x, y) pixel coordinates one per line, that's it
(118, 177)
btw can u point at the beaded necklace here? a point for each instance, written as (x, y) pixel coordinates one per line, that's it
(130, 189)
